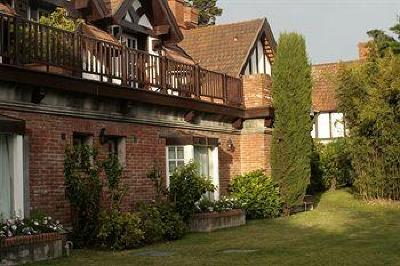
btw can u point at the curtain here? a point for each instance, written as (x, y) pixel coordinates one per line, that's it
(5, 176)
(202, 157)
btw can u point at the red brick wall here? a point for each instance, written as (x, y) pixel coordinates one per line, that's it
(255, 152)
(46, 157)
(257, 90)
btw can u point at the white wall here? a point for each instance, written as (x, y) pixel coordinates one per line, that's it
(257, 62)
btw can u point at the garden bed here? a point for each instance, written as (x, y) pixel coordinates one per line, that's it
(209, 222)
(25, 249)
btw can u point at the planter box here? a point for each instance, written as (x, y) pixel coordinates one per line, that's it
(208, 222)
(24, 249)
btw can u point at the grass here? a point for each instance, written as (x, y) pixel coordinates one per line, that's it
(340, 231)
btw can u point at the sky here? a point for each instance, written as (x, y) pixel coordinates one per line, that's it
(332, 28)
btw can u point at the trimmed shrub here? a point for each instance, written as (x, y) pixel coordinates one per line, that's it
(291, 142)
(119, 230)
(187, 187)
(257, 194)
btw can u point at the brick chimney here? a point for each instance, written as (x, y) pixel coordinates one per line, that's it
(363, 50)
(186, 16)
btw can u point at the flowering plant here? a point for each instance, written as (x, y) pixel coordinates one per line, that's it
(224, 204)
(25, 227)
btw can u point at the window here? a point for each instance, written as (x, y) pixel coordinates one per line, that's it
(176, 158)
(11, 175)
(117, 146)
(328, 126)
(205, 156)
(130, 42)
(82, 139)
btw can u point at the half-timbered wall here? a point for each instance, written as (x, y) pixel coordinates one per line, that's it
(258, 62)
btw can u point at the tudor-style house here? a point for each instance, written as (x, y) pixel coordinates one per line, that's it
(329, 123)
(124, 84)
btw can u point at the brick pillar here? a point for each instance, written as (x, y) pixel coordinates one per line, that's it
(256, 137)
(257, 90)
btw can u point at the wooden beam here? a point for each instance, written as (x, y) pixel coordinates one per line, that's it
(259, 112)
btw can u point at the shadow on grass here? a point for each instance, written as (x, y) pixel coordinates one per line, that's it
(342, 231)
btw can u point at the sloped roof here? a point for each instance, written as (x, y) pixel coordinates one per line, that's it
(324, 90)
(225, 48)
(98, 34)
(325, 82)
(6, 9)
(112, 6)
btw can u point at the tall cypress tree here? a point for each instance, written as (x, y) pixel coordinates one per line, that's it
(291, 144)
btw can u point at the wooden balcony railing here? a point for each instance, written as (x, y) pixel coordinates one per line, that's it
(36, 46)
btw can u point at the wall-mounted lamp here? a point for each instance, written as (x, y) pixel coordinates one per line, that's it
(230, 145)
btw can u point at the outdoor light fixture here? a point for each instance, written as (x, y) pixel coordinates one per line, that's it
(231, 147)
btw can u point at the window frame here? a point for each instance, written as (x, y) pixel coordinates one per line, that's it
(17, 175)
(119, 144)
(189, 156)
(316, 133)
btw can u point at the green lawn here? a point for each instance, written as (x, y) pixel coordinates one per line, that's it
(341, 231)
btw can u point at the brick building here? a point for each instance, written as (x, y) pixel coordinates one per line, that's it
(123, 84)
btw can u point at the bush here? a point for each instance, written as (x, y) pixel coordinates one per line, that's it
(29, 226)
(331, 166)
(174, 227)
(187, 187)
(224, 204)
(119, 230)
(151, 222)
(257, 194)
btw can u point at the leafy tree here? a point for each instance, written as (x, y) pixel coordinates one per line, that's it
(208, 10)
(369, 95)
(384, 41)
(59, 19)
(291, 144)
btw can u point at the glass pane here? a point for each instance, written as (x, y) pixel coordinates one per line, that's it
(201, 158)
(5, 176)
(323, 126)
(337, 125)
(180, 153)
(171, 152)
(172, 166)
(180, 163)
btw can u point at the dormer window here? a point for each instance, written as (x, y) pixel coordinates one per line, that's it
(130, 41)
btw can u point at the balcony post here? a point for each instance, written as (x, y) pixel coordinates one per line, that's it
(197, 81)
(163, 74)
(124, 64)
(225, 88)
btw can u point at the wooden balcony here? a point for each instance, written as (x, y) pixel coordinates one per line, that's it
(35, 46)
